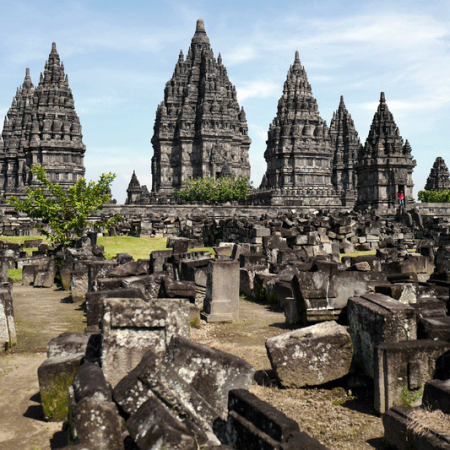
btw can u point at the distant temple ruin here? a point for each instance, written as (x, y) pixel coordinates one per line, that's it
(200, 130)
(41, 127)
(439, 178)
(385, 165)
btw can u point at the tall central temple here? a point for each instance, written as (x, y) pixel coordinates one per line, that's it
(200, 130)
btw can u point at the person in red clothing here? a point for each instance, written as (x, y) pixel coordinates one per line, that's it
(401, 199)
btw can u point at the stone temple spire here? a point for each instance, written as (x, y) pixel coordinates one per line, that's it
(439, 178)
(199, 130)
(42, 128)
(299, 152)
(134, 190)
(384, 164)
(346, 145)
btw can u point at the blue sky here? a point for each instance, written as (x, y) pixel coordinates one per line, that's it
(119, 54)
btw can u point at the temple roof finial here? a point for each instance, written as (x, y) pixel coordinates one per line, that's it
(54, 47)
(382, 98)
(200, 36)
(297, 57)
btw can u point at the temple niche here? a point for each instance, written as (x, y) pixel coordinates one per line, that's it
(385, 165)
(439, 178)
(299, 153)
(200, 130)
(346, 145)
(43, 128)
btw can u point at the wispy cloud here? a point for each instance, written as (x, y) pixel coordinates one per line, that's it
(258, 131)
(257, 88)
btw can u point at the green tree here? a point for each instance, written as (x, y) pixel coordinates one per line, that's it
(65, 213)
(434, 196)
(211, 191)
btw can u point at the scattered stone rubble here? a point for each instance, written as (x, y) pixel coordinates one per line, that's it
(381, 317)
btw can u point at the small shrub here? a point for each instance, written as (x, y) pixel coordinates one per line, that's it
(410, 397)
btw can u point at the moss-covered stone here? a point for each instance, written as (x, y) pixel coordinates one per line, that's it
(55, 376)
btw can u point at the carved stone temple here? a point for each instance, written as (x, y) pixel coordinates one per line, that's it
(385, 165)
(299, 151)
(199, 130)
(439, 178)
(346, 145)
(41, 127)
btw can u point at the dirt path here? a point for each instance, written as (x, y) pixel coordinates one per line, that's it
(41, 314)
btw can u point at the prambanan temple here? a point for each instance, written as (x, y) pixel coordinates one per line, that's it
(201, 131)
(41, 127)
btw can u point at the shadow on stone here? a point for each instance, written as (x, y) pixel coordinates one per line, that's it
(265, 378)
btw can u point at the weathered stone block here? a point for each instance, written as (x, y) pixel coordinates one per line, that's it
(401, 370)
(212, 373)
(436, 395)
(247, 277)
(375, 319)
(79, 284)
(55, 376)
(94, 302)
(99, 269)
(8, 336)
(153, 376)
(97, 424)
(222, 292)
(153, 426)
(130, 328)
(401, 435)
(254, 424)
(67, 344)
(311, 356)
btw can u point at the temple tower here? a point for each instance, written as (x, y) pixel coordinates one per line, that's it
(42, 127)
(384, 165)
(199, 130)
(299, 153)
(16, 136)
(346, 145)
(439, 179)
(134, 190)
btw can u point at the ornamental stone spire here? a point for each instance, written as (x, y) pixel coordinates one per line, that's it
(299, 152)
(385, 164)
(200, 130)
(134, 190)
(346, 145)
(42, 127)
(439, 178)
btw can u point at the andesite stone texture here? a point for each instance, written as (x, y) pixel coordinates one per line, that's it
(311, 356)
(346, 145)
(199, 129)
(439, 178)
(385, 164)
(299, 153)
(41, 127)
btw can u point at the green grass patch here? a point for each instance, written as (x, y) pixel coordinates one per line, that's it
(15, 274)
(138, 248)
(357, 253)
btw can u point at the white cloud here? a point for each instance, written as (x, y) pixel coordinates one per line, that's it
(258, 88)
(239, 54)
(260, 132)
